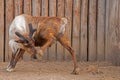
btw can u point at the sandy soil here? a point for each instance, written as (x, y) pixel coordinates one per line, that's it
(42, 70)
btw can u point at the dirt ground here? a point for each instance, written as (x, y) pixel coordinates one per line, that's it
(42, 70)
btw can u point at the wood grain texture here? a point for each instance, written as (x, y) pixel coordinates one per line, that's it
(52, 12)
(100, 30)
(9, 15)
(60, 13)
(110, 29)
(44, 8)
(68, 14)
(27, 7)
(84, 21)
(107, 30)
(76, 27)
(18, 7)
(36, 7)
(116, 40)
(92, 30)
(118, 21)
(114, 30)
(2, 30)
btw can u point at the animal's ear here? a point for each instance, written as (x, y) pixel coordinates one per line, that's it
(31, 30)
(22, 38)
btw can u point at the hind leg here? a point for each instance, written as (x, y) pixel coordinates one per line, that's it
(64, 41)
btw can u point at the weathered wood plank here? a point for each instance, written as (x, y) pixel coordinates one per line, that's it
(114, 30)
(68, 14)
(84, 21)
(2, 30)
(27, 7)
(60, 13)
(76, 27)
(92, 30)
(52, 7)
(9, 14)
(106, 30)
(52, 12)
(110, 31)
(36, 7)
(118, 62)
(116, 49)
(44, 12)
(18, 7)
(100, 30)
(44, 8)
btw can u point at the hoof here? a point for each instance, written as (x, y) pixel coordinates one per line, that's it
(9, 69)
(34, 59)
(40, 53)
(76, 71)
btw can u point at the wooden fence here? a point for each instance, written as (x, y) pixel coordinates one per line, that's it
(93, 28)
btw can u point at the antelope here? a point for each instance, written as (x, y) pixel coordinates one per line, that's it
(27, 32)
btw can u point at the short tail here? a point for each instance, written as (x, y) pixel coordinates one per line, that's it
(65, 20)
(62, 28)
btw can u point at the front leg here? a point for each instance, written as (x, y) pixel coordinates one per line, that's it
(15, 59)
(12, 58)
(42, 48)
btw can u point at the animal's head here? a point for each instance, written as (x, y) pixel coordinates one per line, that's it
(27, 41)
